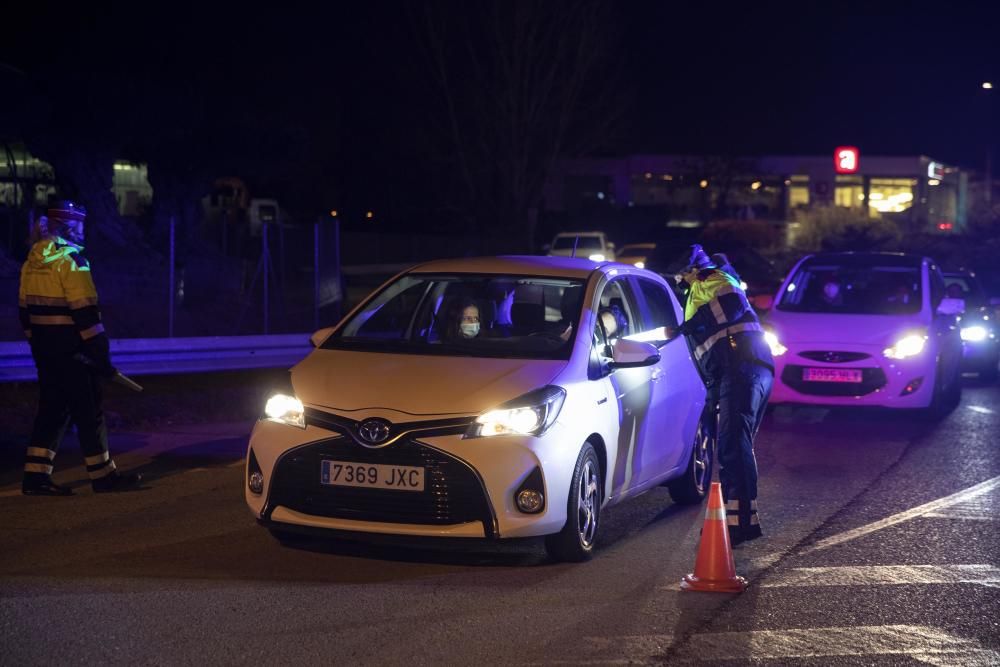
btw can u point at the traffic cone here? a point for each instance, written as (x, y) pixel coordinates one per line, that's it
(715, 569)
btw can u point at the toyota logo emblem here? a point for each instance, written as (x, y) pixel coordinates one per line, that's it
(374, 431)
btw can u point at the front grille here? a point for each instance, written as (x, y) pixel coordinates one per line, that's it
(452, 494)
(834, 357)
(872, 379)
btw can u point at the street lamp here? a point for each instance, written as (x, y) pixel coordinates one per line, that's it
(987, 85)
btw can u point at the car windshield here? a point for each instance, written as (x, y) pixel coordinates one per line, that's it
(468, 315)
(853, 289)
(586, 243)
(960, 286)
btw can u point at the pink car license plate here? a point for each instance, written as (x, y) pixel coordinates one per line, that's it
(831, 375)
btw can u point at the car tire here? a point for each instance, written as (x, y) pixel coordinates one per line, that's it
(691, 487)
(945, 398)
(575, 542)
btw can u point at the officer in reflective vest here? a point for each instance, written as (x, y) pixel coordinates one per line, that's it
(728, 345)
(59, 314)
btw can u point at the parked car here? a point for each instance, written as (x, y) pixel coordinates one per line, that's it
(758, 274)
(865, 329)
(592, 245)
(980, 340)
(635, 254)
(567, 400)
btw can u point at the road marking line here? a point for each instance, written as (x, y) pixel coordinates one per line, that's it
(868, 575)
(983, 508)
(980, 409)
(914, 641)
(920, 510)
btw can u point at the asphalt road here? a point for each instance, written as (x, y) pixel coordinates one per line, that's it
(881, 548)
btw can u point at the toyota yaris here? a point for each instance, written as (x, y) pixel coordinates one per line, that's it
(865, 329)
(486, 398)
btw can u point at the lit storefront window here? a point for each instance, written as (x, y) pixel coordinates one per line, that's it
(850, 192)
(891, 195)
(798, 192)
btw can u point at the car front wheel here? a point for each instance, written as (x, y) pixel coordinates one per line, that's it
(575, 542)
(691, 487)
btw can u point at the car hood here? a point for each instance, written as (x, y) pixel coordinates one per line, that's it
(415, 384)
(822, 328)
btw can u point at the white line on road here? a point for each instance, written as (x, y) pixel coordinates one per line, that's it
(920, 510)
(873, 575)
(980, 409)
(922, 643)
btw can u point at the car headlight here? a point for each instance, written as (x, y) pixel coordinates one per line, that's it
(907, 346)
(777, 349)
(974, 334)
(285, 409)
(597, 257)
(530, 414)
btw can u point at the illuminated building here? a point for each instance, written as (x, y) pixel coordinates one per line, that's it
(915, 189)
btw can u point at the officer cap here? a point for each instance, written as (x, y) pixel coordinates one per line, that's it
(66, 210)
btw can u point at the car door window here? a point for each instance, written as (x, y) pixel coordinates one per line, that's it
(657, 307)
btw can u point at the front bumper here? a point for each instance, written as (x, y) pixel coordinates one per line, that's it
(884, 382)
(469, 490)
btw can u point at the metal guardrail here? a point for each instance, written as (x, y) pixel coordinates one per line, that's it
(162, 356)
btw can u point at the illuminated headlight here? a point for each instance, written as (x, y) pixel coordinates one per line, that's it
(285, 410)
(974, 334)
(777, 349)
(640, 265)
(743, 286)
(908, 346)
(531, 414)
(597, 257)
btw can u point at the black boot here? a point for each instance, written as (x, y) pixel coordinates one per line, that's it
(742, 521)
(44, 486)
(116, 481)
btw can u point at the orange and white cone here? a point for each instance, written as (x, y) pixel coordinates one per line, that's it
(714, 569)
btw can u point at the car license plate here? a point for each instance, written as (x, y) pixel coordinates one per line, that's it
(372, 475)
(831, 375)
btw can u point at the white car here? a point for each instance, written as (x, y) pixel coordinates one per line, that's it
(568, 400)
(592, 245)
(865, 329)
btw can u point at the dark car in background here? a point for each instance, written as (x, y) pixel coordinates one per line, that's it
(759, 275)
(978, 321)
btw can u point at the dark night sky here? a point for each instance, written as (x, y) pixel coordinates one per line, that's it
(710, 77)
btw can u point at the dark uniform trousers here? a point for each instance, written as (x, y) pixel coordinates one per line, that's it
(69, 392)
(742, 396)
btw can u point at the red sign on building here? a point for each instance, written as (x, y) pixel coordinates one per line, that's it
(845, 160)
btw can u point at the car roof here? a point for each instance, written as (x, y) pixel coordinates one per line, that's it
(527, 265)
(867, 258)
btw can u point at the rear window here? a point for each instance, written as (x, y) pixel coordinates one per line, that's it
(853, 289)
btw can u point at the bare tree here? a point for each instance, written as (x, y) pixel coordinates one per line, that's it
(520, 84)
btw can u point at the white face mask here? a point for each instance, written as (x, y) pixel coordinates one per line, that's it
(470, 329)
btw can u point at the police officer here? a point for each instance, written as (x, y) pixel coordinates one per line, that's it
(735, 361)
(58, 311)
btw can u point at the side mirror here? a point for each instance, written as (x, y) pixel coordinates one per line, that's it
(949, 306)
(633, 354)
(319, 337)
